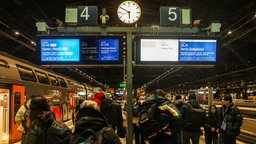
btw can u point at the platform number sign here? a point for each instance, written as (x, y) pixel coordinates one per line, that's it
(87, 15)
(169, 16)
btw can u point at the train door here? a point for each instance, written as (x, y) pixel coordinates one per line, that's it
(17, 99)
(4, 114)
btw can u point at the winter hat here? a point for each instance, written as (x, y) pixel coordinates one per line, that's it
(97, 98)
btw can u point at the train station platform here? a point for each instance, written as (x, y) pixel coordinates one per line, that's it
(123, 140)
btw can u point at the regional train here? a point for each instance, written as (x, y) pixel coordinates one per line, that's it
(20, 79)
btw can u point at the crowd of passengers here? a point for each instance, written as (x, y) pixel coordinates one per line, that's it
(219, 126)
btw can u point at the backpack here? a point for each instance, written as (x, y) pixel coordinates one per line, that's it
(90, 136)
(195, 118)
(153, 121)
(58, 133)
(106, 109)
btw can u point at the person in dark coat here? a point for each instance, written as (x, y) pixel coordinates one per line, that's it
(211, 126)
(179, 103)
(192, 132)
(40, 118)
(231, 121)
(90, 117)
(169, 136)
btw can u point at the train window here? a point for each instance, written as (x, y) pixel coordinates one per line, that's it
(17, 97)
(42, 77)
(54, 80)
(70, 82)
(26, 73)
(4, 63)
(62, 82)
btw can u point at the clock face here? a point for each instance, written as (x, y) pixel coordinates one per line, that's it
(129, 12)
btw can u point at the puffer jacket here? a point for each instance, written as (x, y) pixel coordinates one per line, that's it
(37, 134)
(175, 118)
(234, 119)
(88, 118)
(19, 117)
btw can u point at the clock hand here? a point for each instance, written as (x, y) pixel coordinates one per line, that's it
(129, 14)
(124, 9)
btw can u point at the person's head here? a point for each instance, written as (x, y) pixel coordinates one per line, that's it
(80, 100)
(178, 97)
(90, 104)
(37, 108)
(98, 96)
(226, 99)
(212, 109)
(38, 104)
(86, 105)
(192, 96)
(159, 92)
(97, 90)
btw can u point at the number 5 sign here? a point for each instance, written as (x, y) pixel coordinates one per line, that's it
(169, 16)
(87, 15)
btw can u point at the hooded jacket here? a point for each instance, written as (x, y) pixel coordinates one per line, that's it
(89, 118)
(37, 133)
(185, 113)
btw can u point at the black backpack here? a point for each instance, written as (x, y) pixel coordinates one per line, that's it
(89, 136)
(152, 121)
(58, 133)
(195, 118)
(106, 108)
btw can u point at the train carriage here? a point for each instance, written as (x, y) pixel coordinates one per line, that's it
(19, 80)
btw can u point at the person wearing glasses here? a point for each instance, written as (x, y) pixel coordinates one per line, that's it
(231, 121)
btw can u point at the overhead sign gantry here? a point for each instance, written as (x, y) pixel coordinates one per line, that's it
(86, 19)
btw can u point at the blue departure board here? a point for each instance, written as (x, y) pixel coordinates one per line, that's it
(193, 50)
(60, 50)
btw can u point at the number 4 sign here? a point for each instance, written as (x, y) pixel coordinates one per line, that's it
(87, 15)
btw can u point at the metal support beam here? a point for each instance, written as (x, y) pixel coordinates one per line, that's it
(153, 29)
(129, 89)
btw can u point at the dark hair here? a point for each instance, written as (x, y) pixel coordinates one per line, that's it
(192, 96)
(227, 97)
(39, 103)
(178, 97)
(159, 92)
(37, 107)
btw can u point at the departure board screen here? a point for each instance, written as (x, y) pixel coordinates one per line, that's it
(80, 50)
(108, 50)
(58, 50)
(159, 50)
(197, 50)
(176, 50)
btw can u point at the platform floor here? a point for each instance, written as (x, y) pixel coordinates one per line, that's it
(123, 140)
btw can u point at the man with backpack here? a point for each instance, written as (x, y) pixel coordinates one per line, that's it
(159, 119)
(194, 117)
(91, 126)
(42, 127)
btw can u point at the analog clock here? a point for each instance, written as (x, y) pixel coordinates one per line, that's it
(129, 12)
